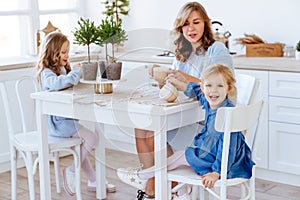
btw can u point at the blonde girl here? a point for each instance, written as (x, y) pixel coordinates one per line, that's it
(216, 89)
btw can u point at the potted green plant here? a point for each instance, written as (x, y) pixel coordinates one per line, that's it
(297, 53)
(86, 34)
(111, 32)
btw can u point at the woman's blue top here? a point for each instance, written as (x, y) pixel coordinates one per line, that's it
(206, 154)
(60, 126)
(217, 53)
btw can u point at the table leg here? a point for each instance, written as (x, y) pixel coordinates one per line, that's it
(161, 183)
(100, 162)
(45, 187)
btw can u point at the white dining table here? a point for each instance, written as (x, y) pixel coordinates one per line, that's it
(127, 106)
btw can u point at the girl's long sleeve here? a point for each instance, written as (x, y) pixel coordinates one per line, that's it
(194, 90)
(50, 81)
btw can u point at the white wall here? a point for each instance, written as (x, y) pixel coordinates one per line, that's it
(272, 20)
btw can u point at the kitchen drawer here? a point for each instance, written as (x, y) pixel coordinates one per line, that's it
(284, 110)
(284, 84)
(284, 147)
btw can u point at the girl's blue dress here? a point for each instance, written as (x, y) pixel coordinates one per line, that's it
(206, 154)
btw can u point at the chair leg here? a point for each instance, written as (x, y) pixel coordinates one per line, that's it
(56, 169)
(13, 167)
(201, 193)
(252, 188)
(77, 161)
(29, 166)
(195, 192)
(169, 189)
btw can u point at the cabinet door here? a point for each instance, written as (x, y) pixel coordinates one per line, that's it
(261, 157)
(284, 147)
(284, 110)
(285, 84)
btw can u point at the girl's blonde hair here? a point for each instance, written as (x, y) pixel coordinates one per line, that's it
(183, 46)
(50, 54)
(227, 75)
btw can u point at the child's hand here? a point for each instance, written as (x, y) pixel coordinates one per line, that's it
(77, 65)
(209, 179)
(180, 85)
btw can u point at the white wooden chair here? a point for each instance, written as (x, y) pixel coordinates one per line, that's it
(246, 88)
(228, 119)
(26, 142)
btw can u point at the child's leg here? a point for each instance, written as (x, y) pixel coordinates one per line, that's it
(89, 140)
(174, 161)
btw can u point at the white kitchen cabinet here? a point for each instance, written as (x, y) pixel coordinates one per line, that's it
(284, 147)
(262, 93)
(285, 84)
(278, 158)
(284, 134)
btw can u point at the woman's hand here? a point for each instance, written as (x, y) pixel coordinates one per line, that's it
(183, 76)
(209, 179)
(179, 75)
(151, 69)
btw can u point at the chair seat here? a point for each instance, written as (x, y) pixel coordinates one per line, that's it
(185, 174)
(29, 142)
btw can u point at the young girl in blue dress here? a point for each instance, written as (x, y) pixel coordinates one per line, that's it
(216, 89)
(55, 73)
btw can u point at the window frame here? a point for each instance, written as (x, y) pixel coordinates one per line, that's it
(29, 19)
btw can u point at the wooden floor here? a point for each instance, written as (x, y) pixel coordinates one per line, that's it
(265, 190)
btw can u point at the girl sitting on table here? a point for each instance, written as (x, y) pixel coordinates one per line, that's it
(216, 89)
(55, 73)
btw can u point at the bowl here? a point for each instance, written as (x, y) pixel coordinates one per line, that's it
(103, 88)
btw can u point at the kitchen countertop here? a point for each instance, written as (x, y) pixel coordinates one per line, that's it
(283, 64)
(145, 55)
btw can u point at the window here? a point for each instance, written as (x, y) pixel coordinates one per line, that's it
(21, 20)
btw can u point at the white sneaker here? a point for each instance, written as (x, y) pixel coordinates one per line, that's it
(110, 188)
(130, 177)
(185, 196)
(69, 181)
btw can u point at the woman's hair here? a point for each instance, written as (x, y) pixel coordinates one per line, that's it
(50, 53)
(183, 46)
(227, 75)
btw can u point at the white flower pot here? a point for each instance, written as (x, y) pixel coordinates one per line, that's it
(297, 55)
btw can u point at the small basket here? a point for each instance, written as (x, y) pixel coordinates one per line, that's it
(264, 50)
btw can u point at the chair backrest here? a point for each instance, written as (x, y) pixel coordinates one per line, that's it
(233, 119)
(240, 118)
(24, 87)
(246, 88)
(26, 105)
